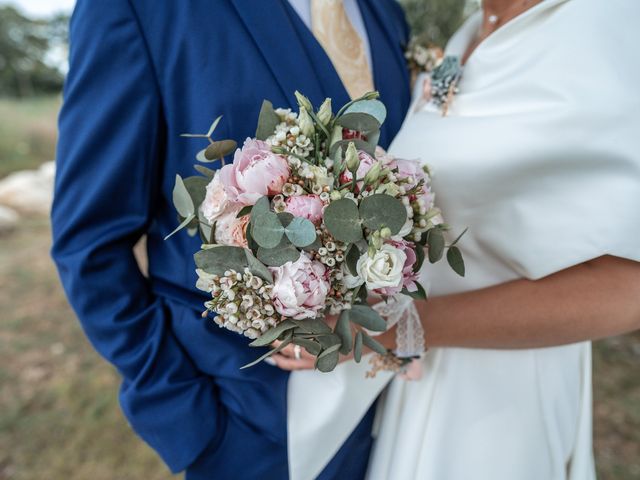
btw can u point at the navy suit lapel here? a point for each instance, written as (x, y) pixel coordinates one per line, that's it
(390, 74)
(275, 30)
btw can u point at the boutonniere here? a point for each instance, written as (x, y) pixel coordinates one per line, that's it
(444, 82)
(422, 58)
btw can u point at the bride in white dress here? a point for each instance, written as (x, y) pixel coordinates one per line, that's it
(539, 155)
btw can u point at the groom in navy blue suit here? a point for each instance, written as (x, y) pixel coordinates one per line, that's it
(142, 72)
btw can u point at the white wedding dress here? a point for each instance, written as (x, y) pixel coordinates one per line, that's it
(540, 157)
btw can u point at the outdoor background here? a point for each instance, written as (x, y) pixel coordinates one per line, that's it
(59, 415)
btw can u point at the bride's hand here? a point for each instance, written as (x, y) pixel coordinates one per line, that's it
(293, 357)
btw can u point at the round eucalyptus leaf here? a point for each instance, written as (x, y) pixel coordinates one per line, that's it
(267, 230)
(381, 210)
(279, 255)
(343, 220)
(375, 108)
(328, 359)
(220, 149)
(181, 199)
(219, 259)
(435, 241)
(367, 317)
(455, 260)
(197, 188)
(301, 232)
(360, 122)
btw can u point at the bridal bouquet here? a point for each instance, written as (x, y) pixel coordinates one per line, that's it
(308, 220)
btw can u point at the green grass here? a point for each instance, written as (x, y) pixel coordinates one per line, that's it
(59, 414)
(27, 132)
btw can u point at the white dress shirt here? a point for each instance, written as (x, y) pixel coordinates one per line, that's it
(303, 8)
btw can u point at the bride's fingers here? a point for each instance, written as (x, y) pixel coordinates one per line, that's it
(289, 363)
(290, 352)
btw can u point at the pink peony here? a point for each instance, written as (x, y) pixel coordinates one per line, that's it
(300, 288)
(306, 206)
(231, 230)
(411, 169)
(257, 171)
(385, 158)
(409, 277)
(219, 197)
(366, 162)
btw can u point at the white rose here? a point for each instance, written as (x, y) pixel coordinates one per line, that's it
(382, 270)
(349, 280)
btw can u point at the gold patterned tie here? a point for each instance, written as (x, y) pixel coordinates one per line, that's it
(337, 35)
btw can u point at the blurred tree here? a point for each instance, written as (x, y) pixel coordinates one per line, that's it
(25, 45)
(434, 21)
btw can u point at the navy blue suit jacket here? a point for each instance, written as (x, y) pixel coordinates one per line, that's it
(141, 73)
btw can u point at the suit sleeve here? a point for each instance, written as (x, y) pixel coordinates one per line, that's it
(111, 135)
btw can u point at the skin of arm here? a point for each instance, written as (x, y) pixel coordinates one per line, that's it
(592, 300)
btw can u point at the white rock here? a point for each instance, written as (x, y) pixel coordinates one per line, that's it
(29, 191)
(8, 219)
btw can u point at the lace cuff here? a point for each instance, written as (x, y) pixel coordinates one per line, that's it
(401, 310)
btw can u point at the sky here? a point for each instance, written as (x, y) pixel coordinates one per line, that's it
(41, 8)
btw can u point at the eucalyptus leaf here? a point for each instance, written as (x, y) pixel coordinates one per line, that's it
(367, 317)
(273, 334)
(359, 143)
(267, 230)
(267, 121)
(220, 149)
(351, 258)
(419, 294)
(285, 341)
(202, 157)
(328, 339)
(374, 344)
(343, 330)
(360, 122)
(435, 241)
(311, 346)
(184, 223)
(313, 326)
(301, 232)
(258, 268)
(221, 258)
(181, 199)
(213, 126)
(285, 218)
(375, 108)
(342, 219)
(420, 255)
(244, 211)
(207, 172)
(197, 188)
(455, 260)
(328, 360)
(314, 246)
(357, 347)
(278, 256)
(382, 210)
(261, 207)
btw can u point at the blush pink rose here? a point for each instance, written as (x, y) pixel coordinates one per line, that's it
(366, 162)
(306, 206)
(219, 197)
(300, 288)
(257, 172)
(231, 230)
(409, 277)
